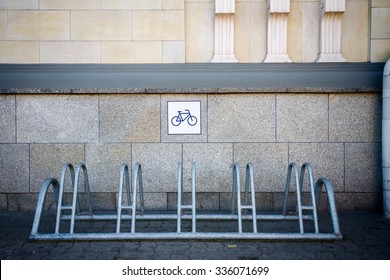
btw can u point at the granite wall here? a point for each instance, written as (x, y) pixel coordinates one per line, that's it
(339, 134)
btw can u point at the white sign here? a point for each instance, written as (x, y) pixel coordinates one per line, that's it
(184, 117)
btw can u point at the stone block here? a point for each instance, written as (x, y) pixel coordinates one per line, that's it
(7, 117)
(14, 171)
(131, 4)
(159, 165)
(302, 118)
(327, 160)
(19, 52)
(3, 25)
(213, 166)
(269, 162)
(380, 23)
(380, 4)
(204, 201)
(47, 160)
(103, 162)
(28, 202)
(258, 46)
(354, 28)
(100, 201)
(3, 202)
(69, 5)
(241, 118)
(358, 201)
(20, 4)
(380, 50)
(164, 121)
(264, 201)
(295, 32)
(38, 25)
(250, 29)
(174, 52)
(310, 31)
(199, 31)
(156, 201)
(354, 117)
(158, 25)
(57, 119)
(70, 52)
(363, 167)
(242, 31)
(101, 25)
(173, 4)
(132, 52)
(130, 118)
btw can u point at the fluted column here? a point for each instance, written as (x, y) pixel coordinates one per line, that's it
(224, 31)
(278, 11)
(330, 48)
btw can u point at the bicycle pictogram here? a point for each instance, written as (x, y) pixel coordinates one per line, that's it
(182, 116)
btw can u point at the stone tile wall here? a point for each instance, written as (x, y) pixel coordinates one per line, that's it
(176, 31)
(339, 134)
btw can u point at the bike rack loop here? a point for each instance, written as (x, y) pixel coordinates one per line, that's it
(194, 234)
(131, 200)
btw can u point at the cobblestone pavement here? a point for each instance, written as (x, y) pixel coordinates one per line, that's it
(366, 236)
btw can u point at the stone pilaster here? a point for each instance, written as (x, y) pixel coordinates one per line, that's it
(224, 31)
(278, 11)
(330, 43)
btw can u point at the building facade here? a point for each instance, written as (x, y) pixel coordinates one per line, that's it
(277, 81)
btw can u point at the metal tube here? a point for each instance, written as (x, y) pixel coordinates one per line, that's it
(312, 191)
(331, 202)
(186, 235)
(237, 189)
(386, 139)
(250, 180)
(124, 173)
(293, 167)
(179, 194)
(136, 176)
(165, 216)
(41, 201)
(61, 192)
(193, 196)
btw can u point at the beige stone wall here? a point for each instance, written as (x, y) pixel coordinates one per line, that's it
(176, 31)
(380, 30)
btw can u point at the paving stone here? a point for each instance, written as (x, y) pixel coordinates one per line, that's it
(354, 118)
(241, 118)
(327, 160)
(269, 160)
(69, 119)
(14, 171)
(47, 160)
(363, 167)
(302, 118)
(159, 165)
(104, 162)
(7, 117)
(213, 161)
(130, 118)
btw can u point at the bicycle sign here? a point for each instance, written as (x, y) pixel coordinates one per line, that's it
(184, 117)
(177, 120)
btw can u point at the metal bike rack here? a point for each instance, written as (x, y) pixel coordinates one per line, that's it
(138, 213)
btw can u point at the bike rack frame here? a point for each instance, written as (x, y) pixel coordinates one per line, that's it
(137, 212)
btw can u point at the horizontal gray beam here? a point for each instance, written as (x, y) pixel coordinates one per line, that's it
(190, 78)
